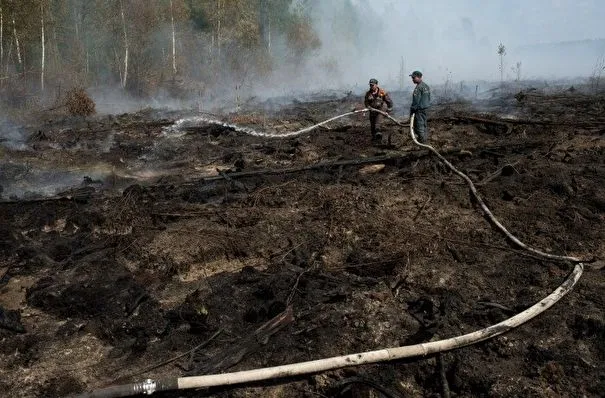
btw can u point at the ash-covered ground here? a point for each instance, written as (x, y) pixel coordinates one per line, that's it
(125, 243)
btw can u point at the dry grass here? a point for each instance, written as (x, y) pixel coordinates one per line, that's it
(79, 103)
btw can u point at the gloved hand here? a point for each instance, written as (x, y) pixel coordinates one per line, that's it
(412, 111)
(389, 110)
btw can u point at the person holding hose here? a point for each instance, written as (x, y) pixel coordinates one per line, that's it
(421, 101)
(377, 98)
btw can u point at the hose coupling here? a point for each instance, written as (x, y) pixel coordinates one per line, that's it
(146, 387)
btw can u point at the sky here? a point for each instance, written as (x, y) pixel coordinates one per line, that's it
(516, 22)
(460, 38)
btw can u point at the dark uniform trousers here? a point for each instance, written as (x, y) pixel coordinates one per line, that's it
(375, 120)
(421, 129)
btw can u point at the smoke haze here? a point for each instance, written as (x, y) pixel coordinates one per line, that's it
(551, 39)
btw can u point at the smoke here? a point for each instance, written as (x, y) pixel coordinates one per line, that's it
(452, 43)
(12, 137)
(550, 39)
(23, 181)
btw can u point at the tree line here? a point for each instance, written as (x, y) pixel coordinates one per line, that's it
(143, 46)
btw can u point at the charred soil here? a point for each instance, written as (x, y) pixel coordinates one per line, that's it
(170, 237)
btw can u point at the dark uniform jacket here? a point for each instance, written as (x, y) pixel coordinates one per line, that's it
(421, 98)
(378, 100)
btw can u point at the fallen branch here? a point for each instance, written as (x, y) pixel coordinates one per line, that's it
(445, 388)
(422, 208)
(293, 291)
(488, 245)
(474, 119)
(392, 158)
(225, 359)
(77, 197)
(498, 173)
(4, 272)
(494, 305)
(166, 362)
(412, 155)
(181, 215)
(504, 122)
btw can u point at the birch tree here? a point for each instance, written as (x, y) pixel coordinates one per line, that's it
(173, 38)
(501, 54)
(264, 24)
(43, 46)
(1, 37)
(218, 26)
(126, 45)
(18, 47)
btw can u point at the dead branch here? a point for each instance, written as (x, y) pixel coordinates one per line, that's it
(225, 359)
(507, 122)
(495, 305)
(498, 173)
(445, 388)
(166, 362)
(422, 208)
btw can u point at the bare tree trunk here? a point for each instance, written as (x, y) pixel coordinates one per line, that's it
(117, 60)
(55, 46)
(77, 25)
(218, 29)
(125, 75)
(262, 23)
(1, 37)
(78, 42)
(43, 47)
(402, 74)
(9, 56)
(173, 40)
(17, 43)
(1, 43)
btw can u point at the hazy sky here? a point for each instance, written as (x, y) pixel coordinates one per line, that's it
(515, 21)
(461, 37)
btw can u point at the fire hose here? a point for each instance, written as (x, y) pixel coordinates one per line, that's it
(181, 123)
(149, 386)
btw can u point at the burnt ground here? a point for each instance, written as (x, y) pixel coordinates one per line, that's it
(153, 241)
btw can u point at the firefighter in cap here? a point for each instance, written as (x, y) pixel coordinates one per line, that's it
(421, 101)
(379, 99)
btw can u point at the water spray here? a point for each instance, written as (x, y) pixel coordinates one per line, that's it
(197, 120)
